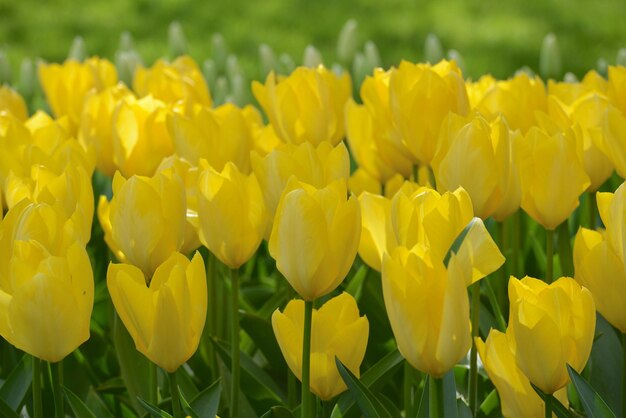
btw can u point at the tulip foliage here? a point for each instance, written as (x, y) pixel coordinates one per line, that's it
(323, 255)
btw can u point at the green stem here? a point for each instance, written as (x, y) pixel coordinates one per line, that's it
(176, 408)
(592, 205)
(549, 255)
(234, 306)
(549, 406)
(431, 177)
(56, 371)
(37, 403)
(153, 384)
(306, 360)
(327, 409)
(473, 378)
(408, 389)
(495, 306)
(415, 172)
(292, 395)
(435, 398)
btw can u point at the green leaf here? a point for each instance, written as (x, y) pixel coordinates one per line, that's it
(557, 407)
(15, 388)
(450, 407)
(134, 366)
(564, 249)
(373, 378)
(456, 245)
(186, 407)
(355, 285)
(594, 405)
(95, 403)
(605, 365)
(261, 332)
(490, 404)
(78, 406)
(6, 410)
(370, 406)
(278, 412)
(422, 411)
(206, 403)
(153, 410)
(254, 380)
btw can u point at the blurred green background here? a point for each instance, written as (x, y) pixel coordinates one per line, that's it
(493, 36)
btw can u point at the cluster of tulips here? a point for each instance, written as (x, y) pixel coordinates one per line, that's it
(438, 160)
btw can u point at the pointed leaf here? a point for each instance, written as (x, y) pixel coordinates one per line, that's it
(261, 332)
(78, 406)
(450, 406)
(153, 410)
(15, 388)
(370, 406)
(206, 403)
(278, 412)
(594, 405)
(456, 245)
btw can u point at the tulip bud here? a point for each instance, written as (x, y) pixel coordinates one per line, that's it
(312, 57)
(127, 63)
(126, 42)
(220, 51)
(360, 69)
(221, 90)
(315, 237)
(517, 397)
(346, 44)
(144, 223)
(176, 40)
(428, 309)
(5, 68)
(433, 51)
(209, 70)
(232, 215)
(306, 106)
(165, 318)
(550, 326)
(13, 103)
(602, 66)
(372, 56)
(550, 57)
(46, 282)
(287, 64)
(454, 55)
(28, 83)
(621, 57)
(268, 59)
(78, 50)
(337, 330)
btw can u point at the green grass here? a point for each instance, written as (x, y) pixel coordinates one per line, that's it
(494, 36)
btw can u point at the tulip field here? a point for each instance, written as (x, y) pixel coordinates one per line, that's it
(332, 240)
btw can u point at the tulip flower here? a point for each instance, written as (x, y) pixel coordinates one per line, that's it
(428, 309)
(217, 135)
(306, 106)
(46, 282)
(66, 85)
(317, 166)
(550, 326)
(337, 331)
(140, 136)
(166, 317)
(13, 103)
(475, 155)
(232, 214)
(95, 133)
(420, 97)
(568, 93)
(144, 223)
(315, 237)
(170, 82)
(615, 88)
(552, 176)
(517, 397)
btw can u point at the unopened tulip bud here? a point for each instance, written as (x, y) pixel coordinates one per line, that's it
(126, 42)
(268, 59)
(433, 51)
(602, 66)
(346, 44)
(287, 64)
(221, 90)
(312, 57)
(78, 50)
(372, 56)
(454, 55)
(360, 68)
(209, 70)
(5, 69)
(621, 57)
(28, 78)
(127, 63)
(176, 40)
(550, 57)
(220, 51)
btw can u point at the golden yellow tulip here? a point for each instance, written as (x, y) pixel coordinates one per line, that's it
(337, 330)
(144, 223)
(552, 176)
(232, 214)
(517, 397)
(170, 82)
(420, 97)
(315, 236)
(306, 106)
(428, 309)
(165, 318)
(13, 103)
(550, 326)
(140, 136)
(568, 93)
(46, 282)
(66, 85)
(616, 85)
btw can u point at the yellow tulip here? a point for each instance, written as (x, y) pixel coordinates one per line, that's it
(517, 99)
(315, 236)
(611, 207)
(165, 318)
(144, 223)
(517, 397)
(336, 330)
(420, 97)
(217, 135)
(170, 82)
(46, 282)
(428, 309)
(317, 166)
(476, 90)
(232, 214)
(613, 142)
(475, 155)
(66, 85)
(600, 270)
(12, 102)
(568, 93)
(95, 133)
(550, 326)
(361, 181)
(552, 176)
(423, 219)
(306, 106)
(616, 85)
